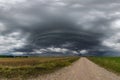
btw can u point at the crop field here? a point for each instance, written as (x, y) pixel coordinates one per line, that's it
(32, 66)
(110, 63)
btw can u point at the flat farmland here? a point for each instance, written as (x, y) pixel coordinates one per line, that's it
(110, 63)
(32, 66)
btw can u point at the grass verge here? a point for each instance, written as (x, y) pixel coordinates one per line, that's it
(110, 63)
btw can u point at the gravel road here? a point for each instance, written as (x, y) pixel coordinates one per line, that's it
(83, 69)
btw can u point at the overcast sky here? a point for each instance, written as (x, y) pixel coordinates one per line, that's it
(89, 27)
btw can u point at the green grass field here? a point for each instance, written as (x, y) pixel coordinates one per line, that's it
(110, 63)
(32, 66)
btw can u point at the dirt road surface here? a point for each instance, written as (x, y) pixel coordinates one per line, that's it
(83, 69)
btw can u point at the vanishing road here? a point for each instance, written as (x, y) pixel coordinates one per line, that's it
(83, 69)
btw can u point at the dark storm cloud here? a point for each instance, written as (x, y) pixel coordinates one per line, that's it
(30, 25)
(57, 32)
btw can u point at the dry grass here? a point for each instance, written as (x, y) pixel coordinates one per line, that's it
(27, 61)
(32, 66)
